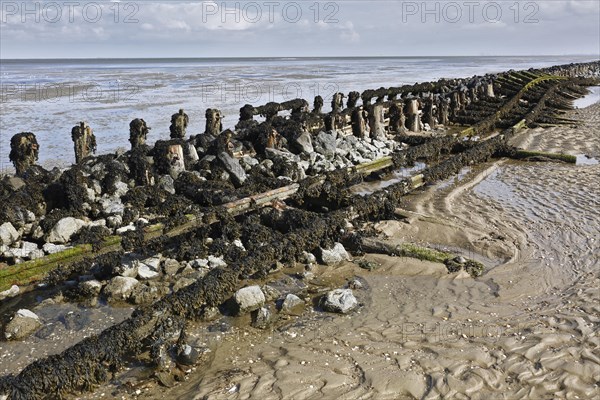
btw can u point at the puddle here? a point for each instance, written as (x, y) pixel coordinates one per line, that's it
(367, 188)
(63, 325)
(492, 186)
(592, 98)
(455, 179)
(583, 159)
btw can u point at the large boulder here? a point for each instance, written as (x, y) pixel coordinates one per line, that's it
(23, 324)
(325, 144)
(64, 229)
(112, 205)
(128, 267)
(249, 299)
(334, 255)
(28, 250)
(339, 301)
(233, 167)
(8, 234)
(303, 143)
(120, 288)
(149, 268)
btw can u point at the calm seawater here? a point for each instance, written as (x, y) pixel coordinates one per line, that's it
(49, 97)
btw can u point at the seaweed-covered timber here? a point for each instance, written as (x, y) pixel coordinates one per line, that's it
(179, 123)
(84, 141)
(138, 131)
(24, 151)
(272, 156)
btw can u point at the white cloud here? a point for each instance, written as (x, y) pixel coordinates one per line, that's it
(181, 28)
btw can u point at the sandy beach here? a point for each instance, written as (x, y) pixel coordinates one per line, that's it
(528, 328)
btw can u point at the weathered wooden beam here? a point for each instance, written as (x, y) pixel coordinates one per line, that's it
(374, 245)
(543, 156)
(35, 270)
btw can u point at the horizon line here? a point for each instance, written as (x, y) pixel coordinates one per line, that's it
(288, 57)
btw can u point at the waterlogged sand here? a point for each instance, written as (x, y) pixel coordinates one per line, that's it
(528, 328)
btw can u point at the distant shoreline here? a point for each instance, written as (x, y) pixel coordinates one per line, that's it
(279, 58)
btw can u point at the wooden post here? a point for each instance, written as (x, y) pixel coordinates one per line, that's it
(412, 114)
(24, 151)
(490, 90)
(138, 130)
(337, 103)
(443, 106)
(214, 124)
(359, 125)
(397, 119)
(179, 123)
(376, 125)
(84, 141)
(318, 105)
(352, 99)
(428, 112)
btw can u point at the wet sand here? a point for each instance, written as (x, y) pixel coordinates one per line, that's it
(527, 328)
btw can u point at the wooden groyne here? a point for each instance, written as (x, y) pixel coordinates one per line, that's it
(173, 197)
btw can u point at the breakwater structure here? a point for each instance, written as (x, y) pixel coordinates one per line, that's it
(247, 199)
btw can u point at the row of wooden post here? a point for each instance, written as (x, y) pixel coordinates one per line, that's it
(365, 120)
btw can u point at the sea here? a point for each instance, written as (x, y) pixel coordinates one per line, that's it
(49, 97)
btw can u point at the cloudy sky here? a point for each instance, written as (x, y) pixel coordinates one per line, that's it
(148, 28)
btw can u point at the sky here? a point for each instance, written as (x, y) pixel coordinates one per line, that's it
(147, 28)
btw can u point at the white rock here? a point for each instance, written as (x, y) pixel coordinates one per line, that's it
(16, 253)
(8, 234)
(145, 272)
(120, 288)
(35, 254)
(51, 248)
(149, 268)
(28, 246)
(121, 189)
(64, 229)
(339, 301)
(124, 229)
(99, 222)
(38, 233)
(12, 292)
(114, 221)
(215, 262)
(238, 243)
(334, 255)
(249, 299)
(112, 205)
(167, 183)
(129, 266)
(91, 195)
